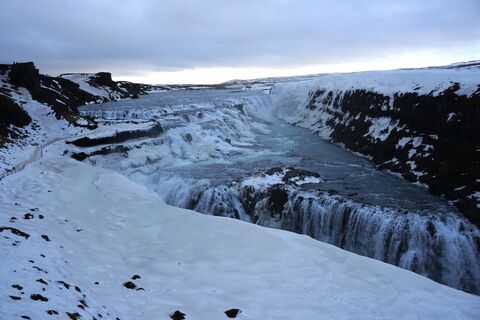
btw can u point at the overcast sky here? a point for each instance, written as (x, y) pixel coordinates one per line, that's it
(163, 41)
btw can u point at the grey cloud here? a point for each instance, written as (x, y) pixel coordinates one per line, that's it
(64, 35)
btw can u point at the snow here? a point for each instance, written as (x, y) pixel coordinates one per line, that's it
(402, 142)
(292, 98)
(381, 128)
(262, 181)
(476, 195)
(417, 141)
(422, 81)
(82, 80)
(47, 128)
(451, 115)
(308, 179)
(200, 265)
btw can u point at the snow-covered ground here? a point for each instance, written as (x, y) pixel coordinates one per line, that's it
(94, 230)
(83, 80)
(45, 127)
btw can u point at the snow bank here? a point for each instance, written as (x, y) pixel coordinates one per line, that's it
(104, 229)
(83, 79)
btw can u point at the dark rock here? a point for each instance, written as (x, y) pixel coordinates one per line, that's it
(135, 277)
(28, 216)
(11, 114)
(177, 315)
(277, 197)
(232, 313)
(103, 151)
(103, 79)
(129, 285)
(15, 298)
(52, 312)
(74, 316)
(38, 297)
(188, 138)
(15, 232)
(119, 137)
(66, 285)
(45, 237)
(24, 74)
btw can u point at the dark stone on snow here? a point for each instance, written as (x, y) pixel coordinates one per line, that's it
(38, 297)
(15, 232)
(232, 313)
(28, 216)
(135, 277)
(66, 285)
(74, 316)
(177, 315)
(129, 285)
(45, 237)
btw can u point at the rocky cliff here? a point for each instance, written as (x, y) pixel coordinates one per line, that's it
(22, 82)
(422, 124)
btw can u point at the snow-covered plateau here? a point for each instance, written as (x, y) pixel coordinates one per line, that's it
(93, 219)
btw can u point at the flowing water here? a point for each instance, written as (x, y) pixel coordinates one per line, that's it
(216, 139)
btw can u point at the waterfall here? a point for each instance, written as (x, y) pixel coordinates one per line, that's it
(444, 248)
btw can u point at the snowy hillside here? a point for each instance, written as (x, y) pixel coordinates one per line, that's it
(51, 105)
(414, 122)
(88, 243)
(101, 85)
